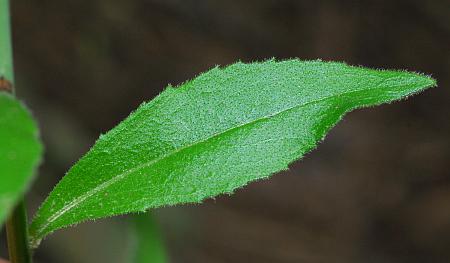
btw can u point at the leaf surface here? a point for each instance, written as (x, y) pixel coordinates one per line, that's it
(20, 151)
(213, 134)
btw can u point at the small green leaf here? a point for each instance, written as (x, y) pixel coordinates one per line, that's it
(147, 245)
(213, 134)
(20, 151)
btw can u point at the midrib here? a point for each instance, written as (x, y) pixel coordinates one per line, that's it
(119, 177)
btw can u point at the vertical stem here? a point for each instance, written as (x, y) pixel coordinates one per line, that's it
(16, 224)
(6, 61)
(16, 230)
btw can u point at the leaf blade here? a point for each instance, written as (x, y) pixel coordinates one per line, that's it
(20, 151)
(211, 136)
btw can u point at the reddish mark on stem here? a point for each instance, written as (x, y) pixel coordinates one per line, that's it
(5, 85)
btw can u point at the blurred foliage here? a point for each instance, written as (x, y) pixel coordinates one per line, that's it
(20, 152)
(148, 242)
(84, 65)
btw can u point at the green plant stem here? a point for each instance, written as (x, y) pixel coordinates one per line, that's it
(16, 230)
(6, 61)
(16, 224)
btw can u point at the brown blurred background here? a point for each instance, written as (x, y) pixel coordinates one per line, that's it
(377, 189)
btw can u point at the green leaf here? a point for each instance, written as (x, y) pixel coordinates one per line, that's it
(213, 134)
(147, 245)
(20, 152)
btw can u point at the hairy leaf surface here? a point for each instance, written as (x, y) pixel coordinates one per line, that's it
(20, 151)
(213, 134)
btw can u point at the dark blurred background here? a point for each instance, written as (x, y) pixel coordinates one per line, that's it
(377, 189)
